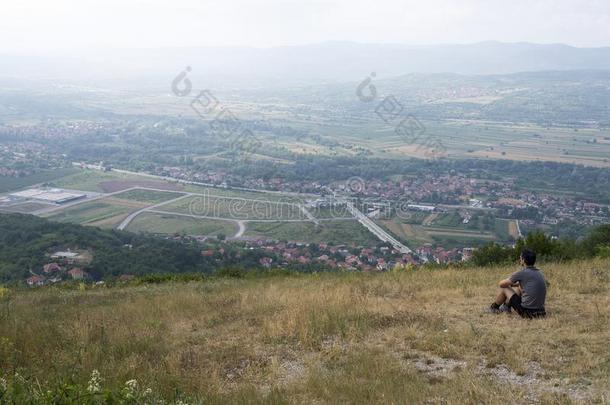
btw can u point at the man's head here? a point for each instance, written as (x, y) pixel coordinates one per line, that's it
(528, 257)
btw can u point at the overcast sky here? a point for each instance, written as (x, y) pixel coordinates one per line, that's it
(34, 25)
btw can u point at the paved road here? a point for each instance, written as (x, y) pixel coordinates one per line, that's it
(131, 216)
(376, 229)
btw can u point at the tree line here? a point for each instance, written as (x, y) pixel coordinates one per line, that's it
(595, 243)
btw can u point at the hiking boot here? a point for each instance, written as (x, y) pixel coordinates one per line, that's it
(493, 309)
(504, 308)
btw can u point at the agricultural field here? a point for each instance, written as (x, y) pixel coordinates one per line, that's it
(329, 213)
(341, 232)
(105, 213)
(157, 223)
(148, 196)
(25, 208)
(464, 139)
(110, 182)
(13, 183)
(448, 229)
(251, 195)
(235, 208)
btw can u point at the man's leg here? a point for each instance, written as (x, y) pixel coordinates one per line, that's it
(504, 295)
(517, 289)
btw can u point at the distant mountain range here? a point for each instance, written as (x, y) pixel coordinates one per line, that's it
(327, 62)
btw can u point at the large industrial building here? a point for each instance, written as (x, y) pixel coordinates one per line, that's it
(53, 195)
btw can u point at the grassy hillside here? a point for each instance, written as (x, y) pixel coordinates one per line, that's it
(409, 337)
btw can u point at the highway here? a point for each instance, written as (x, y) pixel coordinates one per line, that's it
(376, 229)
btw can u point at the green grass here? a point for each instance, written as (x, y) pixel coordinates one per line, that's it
(91, 213)
(148, 196)
(88, 180)
(25, 208)
(446, 230)
(343, 232)
(501, 229)
(452, 220)
(234, 208)
(324, 213)
(251, 195)
(171, 224)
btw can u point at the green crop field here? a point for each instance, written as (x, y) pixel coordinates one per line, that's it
(148, 196)
(171, 224)
(242, 209)
(87, 180)
(343, 232)
(501, 229)
(25, 208)
(251, 195)
(326, 213)
(106, 213)
(445, 229)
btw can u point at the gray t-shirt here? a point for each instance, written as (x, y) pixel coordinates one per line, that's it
(533, 287)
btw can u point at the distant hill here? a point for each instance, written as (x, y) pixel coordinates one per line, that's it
(292, 65)
(557, 97)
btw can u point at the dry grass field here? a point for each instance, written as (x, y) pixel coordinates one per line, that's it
(394, 338)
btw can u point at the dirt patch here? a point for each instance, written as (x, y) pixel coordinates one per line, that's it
(533, 381)
(110, 222)
(408, 230)
(437, 366)
(513, 231)
(428, 221)
(113, 186)
(125, 203)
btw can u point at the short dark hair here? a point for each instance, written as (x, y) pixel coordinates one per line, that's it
(528, 256)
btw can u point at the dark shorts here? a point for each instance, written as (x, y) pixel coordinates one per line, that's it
(515, 303)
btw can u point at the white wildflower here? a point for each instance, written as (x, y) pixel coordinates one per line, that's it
(95, 383)
(147, 392)
(131, 388)
(3, 385)
(132, 385)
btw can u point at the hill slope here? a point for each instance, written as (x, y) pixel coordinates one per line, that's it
(406, 337)
(289, 65)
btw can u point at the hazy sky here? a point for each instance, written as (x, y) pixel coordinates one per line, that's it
(70, 24)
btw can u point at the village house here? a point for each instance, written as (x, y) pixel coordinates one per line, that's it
(35, 281)
(78, 274)
(51, 268)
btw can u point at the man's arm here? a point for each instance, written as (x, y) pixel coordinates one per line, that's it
(512, 281)
(506, 283)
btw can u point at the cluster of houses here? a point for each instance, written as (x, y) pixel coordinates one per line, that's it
(66, 266)
(380, 258)
(24, 159)
(425, 190)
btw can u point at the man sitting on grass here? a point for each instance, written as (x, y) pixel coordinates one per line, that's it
(524, 291)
